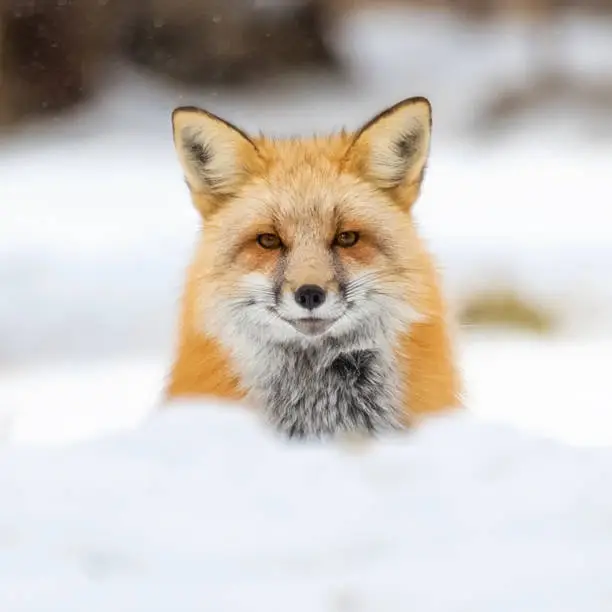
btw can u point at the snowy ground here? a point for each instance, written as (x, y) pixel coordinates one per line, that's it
(203, 509)
(551, 387)
(109, 506)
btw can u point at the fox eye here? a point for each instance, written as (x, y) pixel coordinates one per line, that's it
(269, 241)
(346, 239)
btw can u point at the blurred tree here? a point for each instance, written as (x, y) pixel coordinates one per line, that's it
(48, 53)
(227, 41)
(548, 77)
(51, 50)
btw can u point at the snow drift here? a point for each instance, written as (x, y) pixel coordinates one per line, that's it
(203, 508)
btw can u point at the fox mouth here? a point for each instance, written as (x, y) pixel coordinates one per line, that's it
(311, 326)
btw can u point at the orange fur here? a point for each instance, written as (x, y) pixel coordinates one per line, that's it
(426, 358)
(317, 165)
(202, 367)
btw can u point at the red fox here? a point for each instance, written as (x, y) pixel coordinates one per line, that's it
(310, 294)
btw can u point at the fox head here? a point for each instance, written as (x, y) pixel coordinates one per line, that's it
(307, 240)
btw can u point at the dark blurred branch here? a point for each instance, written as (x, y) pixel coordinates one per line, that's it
(50, 51)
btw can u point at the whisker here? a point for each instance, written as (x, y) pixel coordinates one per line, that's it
(369, 281)
(248, 293)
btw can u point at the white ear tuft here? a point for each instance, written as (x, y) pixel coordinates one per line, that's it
(214, 154)
(392, 148)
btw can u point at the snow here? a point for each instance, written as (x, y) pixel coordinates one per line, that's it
(202, 508)
(109, 502)
(555, 387)
(59, 403)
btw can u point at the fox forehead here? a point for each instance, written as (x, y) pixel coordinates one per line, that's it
(317, 151)
(303, 194)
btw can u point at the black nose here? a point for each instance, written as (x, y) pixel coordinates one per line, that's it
(310, 296)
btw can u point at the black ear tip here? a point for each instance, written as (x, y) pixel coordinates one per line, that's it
(187, 109)
(422, 100)
(411, 102)
(176, 112)
(414, 101)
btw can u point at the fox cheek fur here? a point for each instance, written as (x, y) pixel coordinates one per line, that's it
(310, 293)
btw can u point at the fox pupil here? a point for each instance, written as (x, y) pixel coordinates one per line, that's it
(269, 241)
(347, 239)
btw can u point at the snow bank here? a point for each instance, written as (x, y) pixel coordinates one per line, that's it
(204, 509)
(555, 387)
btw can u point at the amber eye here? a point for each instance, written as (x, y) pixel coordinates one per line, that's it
(269, 241)
(347, 239)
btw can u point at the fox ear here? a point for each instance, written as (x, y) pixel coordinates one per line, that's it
(392, 148)
(215, 155)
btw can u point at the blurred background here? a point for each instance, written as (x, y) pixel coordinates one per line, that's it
(96, 226)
